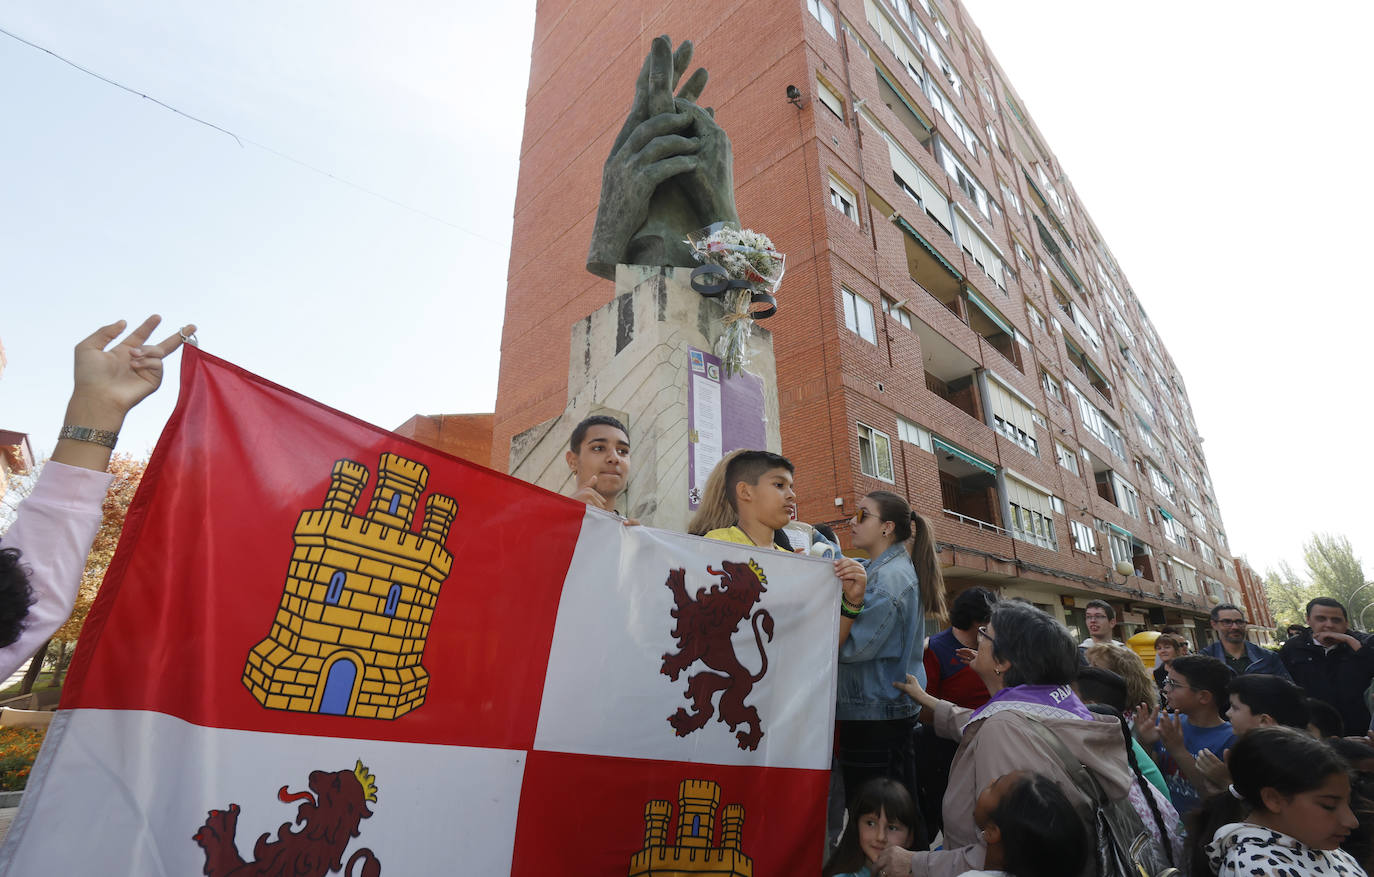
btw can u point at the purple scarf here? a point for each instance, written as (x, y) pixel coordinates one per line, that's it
(1051, 701)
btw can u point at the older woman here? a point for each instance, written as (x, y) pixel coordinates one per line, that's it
(1027, 660)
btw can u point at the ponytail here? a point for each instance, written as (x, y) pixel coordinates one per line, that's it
(928, 572)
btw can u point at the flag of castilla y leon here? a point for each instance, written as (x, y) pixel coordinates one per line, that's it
(325, 648)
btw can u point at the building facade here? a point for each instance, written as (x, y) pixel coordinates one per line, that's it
(952, 325)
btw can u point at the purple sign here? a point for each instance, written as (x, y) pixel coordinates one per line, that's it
(724, 414)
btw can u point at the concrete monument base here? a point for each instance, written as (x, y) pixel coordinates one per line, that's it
(630, 359)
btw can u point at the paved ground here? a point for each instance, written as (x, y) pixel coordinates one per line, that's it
(6, 817)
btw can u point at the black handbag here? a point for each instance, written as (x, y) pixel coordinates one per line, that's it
(1122, 847)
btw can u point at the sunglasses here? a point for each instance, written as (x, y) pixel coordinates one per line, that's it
(862, 515)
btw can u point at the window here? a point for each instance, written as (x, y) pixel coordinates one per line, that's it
(896, 313)
(961, 176)
(832, 101)
(1162, 485)
(1010, 197)
(1011, 415)
(1023, 255)
(1057, 504)
(858, 316)
(1067, 458)
(393, 597)
(823, 15)
(1052, 388)
(913, 434)
(1173, 530)
(917, 185)
(1120, 547)
(336, 586)
(1098, 423)
(1031, 519)
(984, 254)
(842, 198)
(1084, 539)
(1127, 498)
(1037, 319)
(875, 453)
(1185, 575)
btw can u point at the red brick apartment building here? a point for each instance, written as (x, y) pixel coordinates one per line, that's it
(952, 326)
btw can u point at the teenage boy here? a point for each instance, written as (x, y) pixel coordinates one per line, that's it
(1258, 700)
(599, 457)
(758, 487)
(1196, 692)
(1101, 618)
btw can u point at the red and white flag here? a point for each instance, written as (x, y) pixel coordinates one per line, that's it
(322, 647)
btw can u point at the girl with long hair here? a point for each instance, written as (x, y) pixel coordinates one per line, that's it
(886, 642)
(881, 814)
(1287, 811)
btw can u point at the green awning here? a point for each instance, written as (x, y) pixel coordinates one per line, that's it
(989, 311)
(928, 247)
(963, 455)
(1164, 513)
(1121, 532)
(901, 97)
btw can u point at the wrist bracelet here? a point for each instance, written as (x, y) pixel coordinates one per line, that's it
(89, 434)
(848, 610)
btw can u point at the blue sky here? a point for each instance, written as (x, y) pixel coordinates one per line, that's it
(1218, 147)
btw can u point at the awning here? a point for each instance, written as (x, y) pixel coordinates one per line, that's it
(1120, 532)
(963, 455)
(989, 311)
(906, 103)
(1164, 513)
(928, 247)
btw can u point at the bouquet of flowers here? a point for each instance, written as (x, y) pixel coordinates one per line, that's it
(748, 270)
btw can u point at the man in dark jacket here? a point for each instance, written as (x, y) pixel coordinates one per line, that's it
(1233, 649)
(1331, 663)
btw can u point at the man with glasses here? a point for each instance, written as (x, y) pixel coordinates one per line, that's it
(1101, 618)
(1233, 649)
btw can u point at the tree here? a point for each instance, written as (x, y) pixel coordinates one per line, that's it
(1288, 595)
(1336, 572)
(128, 472)
(1332, 570)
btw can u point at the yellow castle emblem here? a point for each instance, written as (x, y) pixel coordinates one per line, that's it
(350, 631)
(691, 852)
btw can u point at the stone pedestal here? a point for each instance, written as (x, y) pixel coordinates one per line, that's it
(630, 360)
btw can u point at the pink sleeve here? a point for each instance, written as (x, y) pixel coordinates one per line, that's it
(54, 530)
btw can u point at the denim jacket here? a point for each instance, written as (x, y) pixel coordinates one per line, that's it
(886, 642)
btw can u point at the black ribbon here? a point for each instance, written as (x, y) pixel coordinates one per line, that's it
(714, 281)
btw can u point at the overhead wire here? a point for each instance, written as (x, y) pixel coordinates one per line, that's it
(240, 140)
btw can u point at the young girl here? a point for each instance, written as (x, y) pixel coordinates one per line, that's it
(1286, 812)
(881, 815)
(1029, 827)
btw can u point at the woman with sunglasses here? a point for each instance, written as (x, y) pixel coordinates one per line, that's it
(1027, 660)
(886, 642)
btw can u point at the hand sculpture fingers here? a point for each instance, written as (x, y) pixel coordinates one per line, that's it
(695, 85)
(711, 190)
(666, 146)
(656, 126)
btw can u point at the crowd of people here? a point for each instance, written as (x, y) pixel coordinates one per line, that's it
(996, 745)
(1000, 746)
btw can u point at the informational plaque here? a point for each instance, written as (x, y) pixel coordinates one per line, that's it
(724, 414)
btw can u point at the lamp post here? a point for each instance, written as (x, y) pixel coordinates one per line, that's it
(1354, 594)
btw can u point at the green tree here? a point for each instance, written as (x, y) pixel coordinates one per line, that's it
(1335, 571)
(1331, 570)
(1288, 595)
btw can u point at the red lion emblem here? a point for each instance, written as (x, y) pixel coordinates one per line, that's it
(332, 810)
(704, 627)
